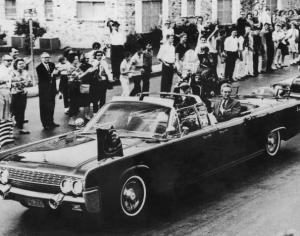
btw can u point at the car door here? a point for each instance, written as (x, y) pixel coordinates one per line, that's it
(232, 142)
(199, 146)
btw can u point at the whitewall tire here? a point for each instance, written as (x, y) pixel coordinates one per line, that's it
(273, 143)
(133, 196)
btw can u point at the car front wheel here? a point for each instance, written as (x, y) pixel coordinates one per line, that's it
(133, 196)
(273, 143)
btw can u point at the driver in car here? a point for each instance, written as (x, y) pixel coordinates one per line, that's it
(185, 101)
(227, 108)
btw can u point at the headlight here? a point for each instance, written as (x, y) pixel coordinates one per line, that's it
(4, 176)
(77, 187)
(66, 186)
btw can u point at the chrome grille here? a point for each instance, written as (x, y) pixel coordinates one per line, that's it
(37, 177)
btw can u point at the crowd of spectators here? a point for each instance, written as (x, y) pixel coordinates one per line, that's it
(259, 42)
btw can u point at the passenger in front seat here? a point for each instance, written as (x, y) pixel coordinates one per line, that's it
(227, 108)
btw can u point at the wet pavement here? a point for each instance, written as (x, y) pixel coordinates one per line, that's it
(260, 197)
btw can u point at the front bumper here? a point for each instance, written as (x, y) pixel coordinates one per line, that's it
(90, 201)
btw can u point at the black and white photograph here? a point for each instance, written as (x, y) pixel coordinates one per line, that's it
(150, 117)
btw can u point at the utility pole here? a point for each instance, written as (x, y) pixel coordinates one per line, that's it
(30, 14)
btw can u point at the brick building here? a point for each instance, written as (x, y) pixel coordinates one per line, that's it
(78, 23)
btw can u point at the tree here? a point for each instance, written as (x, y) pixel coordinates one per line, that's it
(22, 29)
(248, 5)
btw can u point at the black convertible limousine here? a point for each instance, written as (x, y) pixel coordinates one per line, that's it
(136, 146)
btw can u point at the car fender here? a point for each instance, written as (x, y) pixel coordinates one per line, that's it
(141, 167)
(282, 130)
(278, 129)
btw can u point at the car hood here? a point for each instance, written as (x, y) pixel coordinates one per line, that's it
(73, 153)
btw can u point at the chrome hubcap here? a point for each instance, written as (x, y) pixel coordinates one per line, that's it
(272, 142)
(133, 196)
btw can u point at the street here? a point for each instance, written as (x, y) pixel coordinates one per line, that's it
(260, 197)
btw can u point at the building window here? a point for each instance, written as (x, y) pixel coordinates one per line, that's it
(190, 7)
(272, 4)
(48, 9)
(151, 11)
(225, 11)
(10, 9)
(89, 10)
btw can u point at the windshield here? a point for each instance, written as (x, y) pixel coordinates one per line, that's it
(132, 118)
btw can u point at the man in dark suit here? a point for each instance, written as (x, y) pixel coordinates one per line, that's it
(227, 108)
(46, 73)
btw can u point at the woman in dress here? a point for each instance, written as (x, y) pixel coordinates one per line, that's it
(6, 124)
(125, 74)
(85, 77)
(293, 37)
(20, 80)
(63, 67)
(73, 85)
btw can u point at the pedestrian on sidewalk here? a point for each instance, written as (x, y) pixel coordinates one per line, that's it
(167, 29)
(47, 73)
(278, 37)
(86, 77)
(117, 40)
(6, 74)
(248, 52)
(137, 63)
(231, 47)
(293, 37)
(63, 67)
(6, 124)
(14, 53)
(269, 47)
(125, 74)
(96, 46)
(100, 81)
(147, 66)
(73, 85)
(166, 55)
(257, 49)
(180, 49)
(20, 80)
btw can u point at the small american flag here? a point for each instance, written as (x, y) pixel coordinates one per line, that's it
(6, 132)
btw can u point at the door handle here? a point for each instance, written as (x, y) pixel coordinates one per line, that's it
(207, 136)
(223, 131)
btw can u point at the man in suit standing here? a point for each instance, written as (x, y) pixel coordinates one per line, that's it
(46, 73)
(227, 108)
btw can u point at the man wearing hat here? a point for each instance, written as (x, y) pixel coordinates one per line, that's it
(46, 73)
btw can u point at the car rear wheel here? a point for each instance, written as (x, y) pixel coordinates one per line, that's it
(273, 143)
(133, 196)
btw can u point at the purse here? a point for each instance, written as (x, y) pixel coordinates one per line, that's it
(84, 88)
